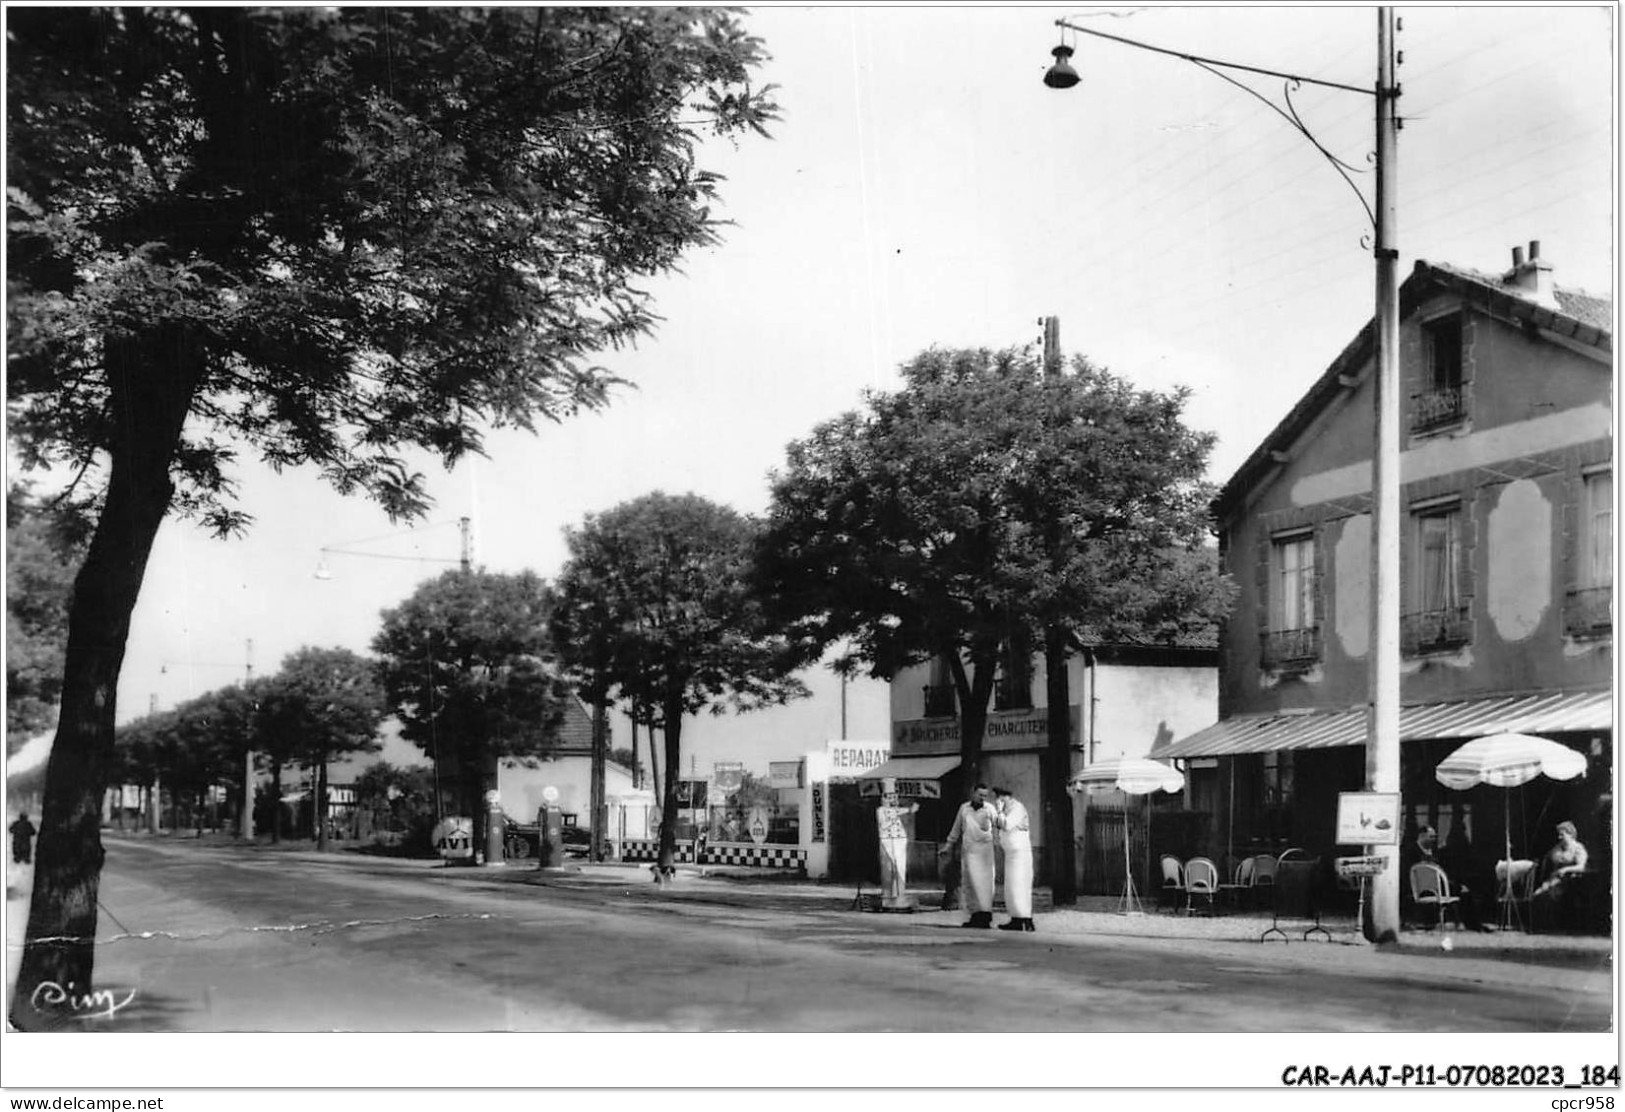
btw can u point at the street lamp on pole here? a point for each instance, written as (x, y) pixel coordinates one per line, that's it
(1382, 714)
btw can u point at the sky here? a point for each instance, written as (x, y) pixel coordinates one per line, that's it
(924, 188)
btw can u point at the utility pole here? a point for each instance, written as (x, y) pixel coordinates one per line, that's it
(1055, 765)
(246, 820)
(1382, 718)
(467, 560)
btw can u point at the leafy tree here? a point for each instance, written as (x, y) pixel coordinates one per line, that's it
(330, 235)
(469, 668)
(137, 759)
(400, 801)
(654, 607)
(40, 563)
(982, 505)
(321, 704)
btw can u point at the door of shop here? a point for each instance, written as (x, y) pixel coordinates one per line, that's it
(854, 842)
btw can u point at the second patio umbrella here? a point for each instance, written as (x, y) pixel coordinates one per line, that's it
(1508, 761)
(1132, 776)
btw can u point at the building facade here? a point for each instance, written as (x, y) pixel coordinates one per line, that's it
(1127, 699)
(1506, 579)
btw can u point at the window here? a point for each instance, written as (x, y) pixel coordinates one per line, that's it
(1599, 531)
(1013, 689)
(939, 692)
(1437, 619)
(1293, 636)
(1590, 605)
(1440, 401)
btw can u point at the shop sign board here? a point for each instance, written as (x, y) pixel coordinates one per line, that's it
(853, 758)
(1006, 731)
(784, 774)
(818, 812)
(1368, 818)
(453, 836)
(728, 777)
(907, 788)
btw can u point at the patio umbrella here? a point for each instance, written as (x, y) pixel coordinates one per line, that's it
(1508, 761)
(1133, 776)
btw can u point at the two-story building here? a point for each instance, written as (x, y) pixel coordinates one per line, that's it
(1127, 699)
(1506, 576)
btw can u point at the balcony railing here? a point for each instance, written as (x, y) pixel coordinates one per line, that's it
(1437, 408)
(1589, 612)
(1013, 694)
(1291, 648)
(939, 700)
(1431, 631)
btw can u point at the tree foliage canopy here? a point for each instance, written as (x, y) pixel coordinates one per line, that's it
(322, 703)
(41, 560)
(469, 668)
(347, 229)
(654, 605)
(984, 502)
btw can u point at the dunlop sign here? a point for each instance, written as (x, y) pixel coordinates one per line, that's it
(818, 812)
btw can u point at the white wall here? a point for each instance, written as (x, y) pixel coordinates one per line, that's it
(521, 787)
(1137, 705)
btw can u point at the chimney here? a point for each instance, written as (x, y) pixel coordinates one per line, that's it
(1531, 279)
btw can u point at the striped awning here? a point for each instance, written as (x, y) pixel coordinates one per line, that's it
(1547, 713)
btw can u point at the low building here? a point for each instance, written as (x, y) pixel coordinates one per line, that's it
(1130, 697)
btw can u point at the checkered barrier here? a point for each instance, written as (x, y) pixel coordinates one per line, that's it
(760, 857)
(720, 853)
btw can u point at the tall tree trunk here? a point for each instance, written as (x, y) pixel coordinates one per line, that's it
(668, 797)
(151, 379)
(1056, 770)
(975, 691)
(276, 801)
(655, 782)
(321, 803)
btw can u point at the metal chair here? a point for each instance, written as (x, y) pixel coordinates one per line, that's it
(1512, 896)
(1241, 881)
(1201, 879)
(1173, 879)
(1430, 885)
(1264, 870)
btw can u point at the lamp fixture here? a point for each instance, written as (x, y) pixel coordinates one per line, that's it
(1061, 75)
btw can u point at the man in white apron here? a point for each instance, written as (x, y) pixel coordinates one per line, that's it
(972, 832)
(1015, 837)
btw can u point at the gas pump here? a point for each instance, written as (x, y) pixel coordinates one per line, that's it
(550, 820)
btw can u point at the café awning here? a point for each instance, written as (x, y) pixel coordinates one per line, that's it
(912, 768)
(1544, 713)
(916, 776)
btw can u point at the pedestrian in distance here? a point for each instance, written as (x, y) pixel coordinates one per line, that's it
(1015, 837)
(972, 835)
(22, 840)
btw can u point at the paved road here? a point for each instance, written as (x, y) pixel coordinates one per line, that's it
(221, 939)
